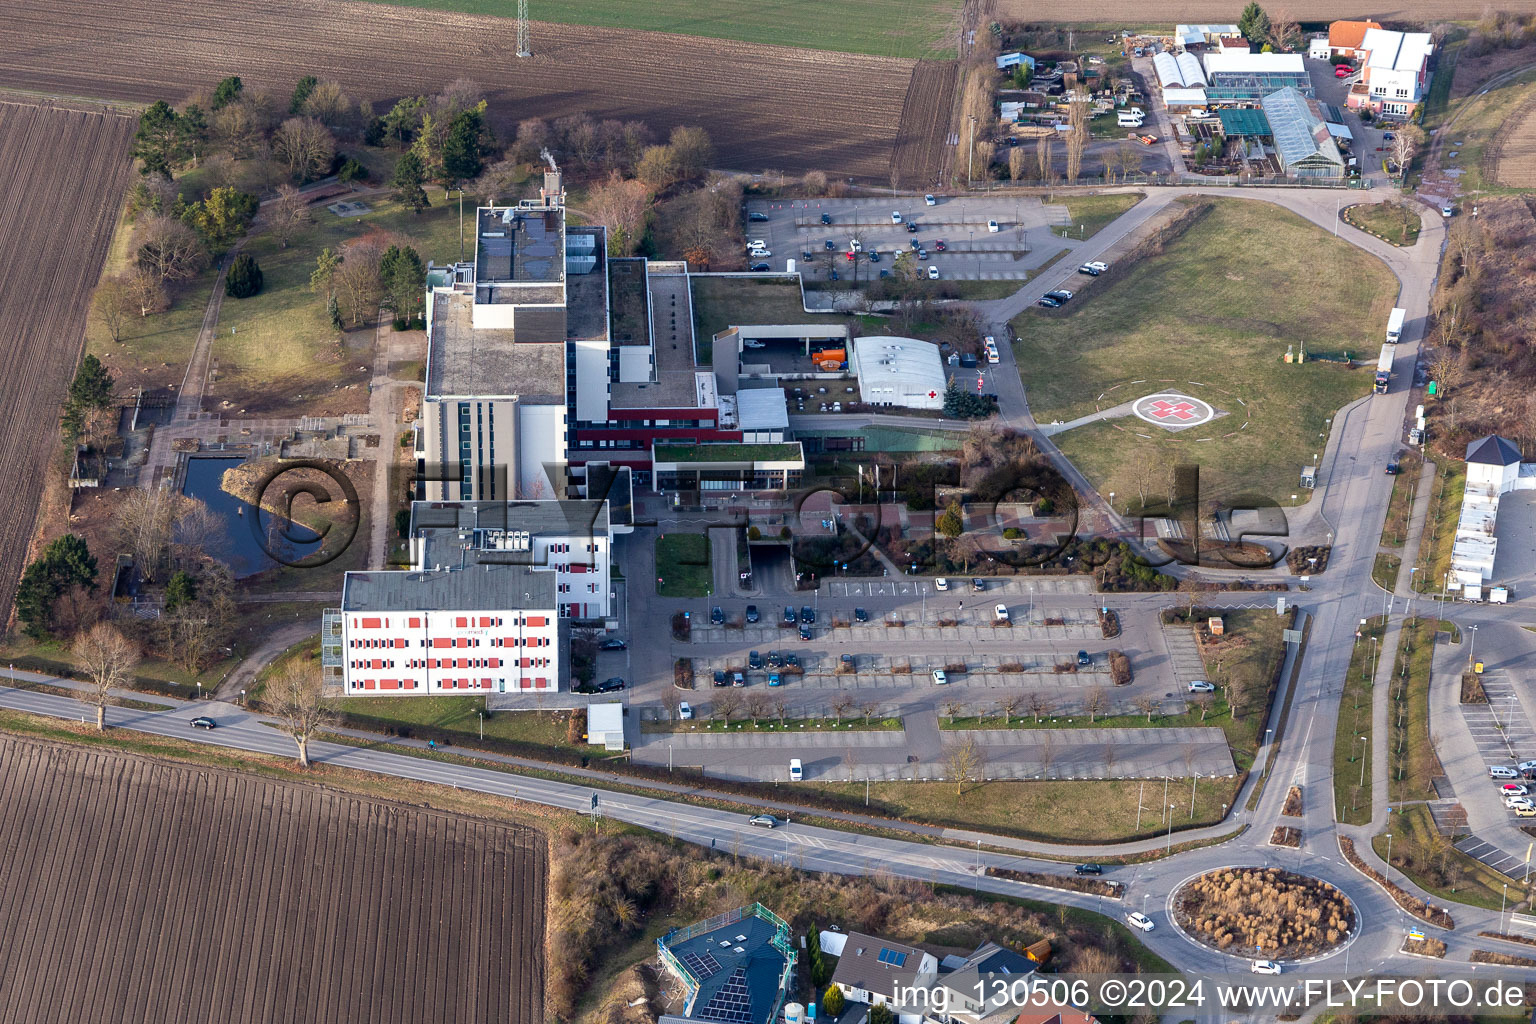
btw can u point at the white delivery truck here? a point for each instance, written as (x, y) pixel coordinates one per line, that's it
(1395, 326)
(1384, 368)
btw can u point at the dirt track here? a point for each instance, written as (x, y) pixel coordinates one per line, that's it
(62, 175)
(918, 158)
(764, 106)
(141, 891)
(1110, 12)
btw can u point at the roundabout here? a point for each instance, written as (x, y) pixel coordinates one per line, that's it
(1263, 913)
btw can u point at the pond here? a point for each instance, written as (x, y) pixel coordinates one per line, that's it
(250, 536)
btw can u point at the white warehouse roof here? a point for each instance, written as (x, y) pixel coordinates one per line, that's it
(1254, 63)
(1184, 97)
(899, 371)
(762, 409)
(1178, 72)
(1195, 35)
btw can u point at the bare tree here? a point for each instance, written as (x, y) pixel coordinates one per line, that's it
(168, 248)
(357, 280)
(868, 709)
(1045, 156)
(1009, 706)
(621, 206)
(1095, 702)
(1284, 31)
(108, 658)
(1110, 755)
(780, 709)
(195, 529)
(951, 709)
(241, 128)
(329, 104)
(1040, 705)
(1077, 127)
(964, 762)
(498, 180)
(144, 290)
(672, 701)
(114, 305)
(1017, 160)
(1046, 750)
(144, 522)
(1146, 705)
(727, 704)
(1402, 148)
(841, 705)
(296, 700)
(288, 213)
(758, 706)
(305, 146)
(1204, 702)
(1127, 159)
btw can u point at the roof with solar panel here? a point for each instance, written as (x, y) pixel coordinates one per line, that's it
(733, 967)
(881, 966)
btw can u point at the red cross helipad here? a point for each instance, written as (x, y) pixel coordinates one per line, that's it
(1164, 409)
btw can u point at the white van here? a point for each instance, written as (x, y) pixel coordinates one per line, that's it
(1126, 119)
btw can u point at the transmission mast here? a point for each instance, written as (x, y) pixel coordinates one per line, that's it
(523, 49)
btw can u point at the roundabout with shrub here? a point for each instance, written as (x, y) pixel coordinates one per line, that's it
(1264, 913)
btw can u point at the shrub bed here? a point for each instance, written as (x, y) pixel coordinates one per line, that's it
(1424, 947)
(1292, 806)
(1120, 669)
(1285, 835)
(1415, 906)
(1488, 956)
(1254, 911)
(1075, 883)
(1472, 689)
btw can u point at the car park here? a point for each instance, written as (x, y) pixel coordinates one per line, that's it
(752, 615)
(930, 200)
(613, 643)
(1201, 686)
(933, 272)
(1001, 611)
(1089, 869)
(610, 685)
(940, 677)
(1264, 967)
(807, 614)
(941, 584)
(993, 226)
(203, 722)
(684, 710)
(1136, 919)
(796, 772)
(1048, 302)
(763, 820)
(1083, 658)
(1502, 771)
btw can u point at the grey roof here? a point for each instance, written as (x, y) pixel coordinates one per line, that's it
(474, 588)
(1299, 134)
(762, 409)
(567, 517)
(1493, 450)
(738, 971)
(525, 246)
(876, 965)
(467, 362)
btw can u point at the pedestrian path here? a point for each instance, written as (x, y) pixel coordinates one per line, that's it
(1183, 652)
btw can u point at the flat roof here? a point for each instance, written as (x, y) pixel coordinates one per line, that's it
(1254, 64)
(564, 517)
(478, 587)
(677, 384)
(762, 409)
(728, 453)
(520, 245)
(463, 361)
(606, 717)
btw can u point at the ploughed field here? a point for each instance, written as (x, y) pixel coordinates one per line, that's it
(764, 106)
(136, 890)
(62, 175)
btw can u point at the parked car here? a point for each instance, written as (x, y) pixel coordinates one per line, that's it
(851, 255)
(874, 257)
(721, 679)
(831, 245)
(1513, 788)
(1526, 766)
(758, 268)
(1341, 71)
(940, 246)
(684, 710)
(1447, 210)
(826, 218)
(717, 615)
(610, 685)
(613, 643)
(1386, 136)
(993, 226)
(1264, 967)
(1502, 771)
(847, 659)
(1525, 812)
(1392, 469)
(1090, 271)
(940, 677)
(203, 722)
(737, 679)
(789, 616)
(763, 820)
(807, 614)
(915, 243)
(1136, 919)
(774, 659)
(754, 215)
(922, 254)
(930, 200)
(860, 615)
(1061, 295)
(1517, 802)
(1201, 686)
(795, 771)
(752, 615)
(754, 660)
(978, 584)
(805, 632)
(1048, 302)
(757, 243)
(895, 217)
(941, 584)
(1083, 659)
(933, 272)
(1001, 611)
(911, 227)
(1089, 869)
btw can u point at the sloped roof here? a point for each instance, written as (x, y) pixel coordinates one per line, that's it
(1299, 134)
(1492, 450)
(1349, 34)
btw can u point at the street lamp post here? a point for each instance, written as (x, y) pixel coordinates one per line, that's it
(1472, 649)
(1169, 850)
(1389, 859)
(1502, 900)
(1410, 590)
(976, 887)
(1363, 751)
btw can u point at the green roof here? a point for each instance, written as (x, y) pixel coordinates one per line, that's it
(1243, 122)
(786, 452)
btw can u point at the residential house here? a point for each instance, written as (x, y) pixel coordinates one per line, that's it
(877, 971)
(734, 968)
(1345, 37)
(1395, 72)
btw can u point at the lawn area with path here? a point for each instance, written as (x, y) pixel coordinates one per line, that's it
(1212, 316)
(1090, 213)
(1396, 222)
(682, 565)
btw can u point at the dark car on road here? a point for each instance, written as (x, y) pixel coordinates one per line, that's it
(807, 614)
(613, 643)
(758, 267)
(830, 245)
(860, 615)
(610, 685)
(754, 215)
(203, 722)
(912, 226)
(1089, 869)
(1391, 469)
(939, 246)
(1083, 659)
(826, 218)
(752, 615)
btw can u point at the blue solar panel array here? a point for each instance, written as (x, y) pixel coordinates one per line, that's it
(732, 1004)
(703, 965)
(890, 956)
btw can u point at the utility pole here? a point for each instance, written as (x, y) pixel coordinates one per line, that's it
(523, 47)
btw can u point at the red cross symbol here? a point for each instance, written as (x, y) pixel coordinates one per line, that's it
(933, 394)
(1164, 409)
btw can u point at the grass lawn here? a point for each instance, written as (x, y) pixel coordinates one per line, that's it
(154, 675)
(1412, 760)
(884, 28)
(682, 565)
(1440, 526)
(461, 715)
(1435, 866)
(279, 342)
(719, 302)
(1482, 120)
(1384, 570)
(1394, 532)
(1090, 213)
(1397, 223)
(1212, 315)
(1436, 102)
(1351, 796)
